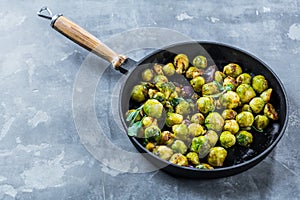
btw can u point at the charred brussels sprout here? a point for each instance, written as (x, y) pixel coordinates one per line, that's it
(261, 122)
(163, 152)
(167, 88)
(147, 75)
(179, 147)
(153, 133)
(200, 145)
(244, 138)
(193, 158)
(196, 130)
(205, 104)
(210, 88)
(150, 146)
(139, 93)
(168, 69)
(212, 137)
(204, 166)
(197, 118)
(232, 70)
(167, 138)
(200, 62)
(245, 119)
(183, 108)
(230, 100)
(181, 63)
(245, 92)
(219, 76)
(153, 108)
(259, 83)
(232, 126)
(217, 156)
(160, 78)
(180, 131)
(257, 104)
(197, 83)
(266, 95)
(214, 121)
(179, 159)
(193, 72)
(147, 121)
(229, 83)
(158, 69)
(244, 78)
(270, 112)
(229, 114)
(227, 139)
(173, 118)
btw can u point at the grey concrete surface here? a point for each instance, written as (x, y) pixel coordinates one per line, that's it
(45, 146)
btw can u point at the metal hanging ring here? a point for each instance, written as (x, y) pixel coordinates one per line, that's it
(48, 14)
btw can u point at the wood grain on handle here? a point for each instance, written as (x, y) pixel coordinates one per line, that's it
(87, 40)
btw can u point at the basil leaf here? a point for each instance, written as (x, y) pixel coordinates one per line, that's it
(131, 116)
(133, 129)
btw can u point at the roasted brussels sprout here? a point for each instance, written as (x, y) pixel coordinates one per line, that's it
(193, 158)
(167, 138)
(266, 95)
(247, 108)
(227, 139)
(183, 108)
(158, 69)
(179, 159)
(147, 121)
(197, 118)
(261, 122)
(173, 118)
(168, 69)
(200, 145)
(179, 147)
(244, 78)
(245, 92)
(160, 97)
(196, 130)
(219, 76)
(148, 75)
(139, 93)
(181, 63)
(153, 133)
(212, 137)
(204, 166)
(232, 70)
(244, 138)
(160, 78)
(245, 119)
(270, 112)
(200, 62)
(150, 146)
(153, 108)
(210, 88)
(229, 114)
(163, 152)
(230, 83)
(193, 72)
(167, 88)
(214, 121)
(259, 83)
(257, 104)
(181, 131)
(197, 83)
(217, 156)
(230, 100)
(205, 104)
(232, 126)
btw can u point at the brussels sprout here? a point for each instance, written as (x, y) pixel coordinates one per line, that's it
(230, 83)
(152, 92)
(193, 158)
(245, 119)
(167, 138)
(200, 62)
(232, 70)
(214, 121)
(147, 75)
(217, 156)
(204, 166)
(179, 159)
(261, 122)
(212, 137)
(230, 100)
(227, 139)
(173, 118)
(270, 112)
(183, 108)
(257, 104)
(210, 88)
(180, 131)
(244, 138)
(196, 130)
(147, 121)
(150, 146)
(266, 95)
(163, 152)
(232, 126)
(160, 97)
(229, 114)
(197, 118)
(247, 108)
(160, 78)
(193, 72)
(139, 93)
(259, 83)
(167, 88)
(181, 63)
(244, 78)
(169, 69)
(153, 108)
(197, 83)
(200, 145)
(245, 92)
(219, 76)
(153, 133)
(179, 147)
(158, 69)
(205, 104)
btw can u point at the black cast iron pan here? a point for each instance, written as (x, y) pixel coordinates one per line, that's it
(239, 158)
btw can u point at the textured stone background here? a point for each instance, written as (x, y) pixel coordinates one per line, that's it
(41, 154)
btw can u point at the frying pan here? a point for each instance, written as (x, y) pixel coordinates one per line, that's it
(239, 158)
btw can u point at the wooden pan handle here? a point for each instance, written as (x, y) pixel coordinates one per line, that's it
(80, 36)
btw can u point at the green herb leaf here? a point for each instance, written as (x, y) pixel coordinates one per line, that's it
(134, 128)
(175, 101)
(132, 116)
(260, 131)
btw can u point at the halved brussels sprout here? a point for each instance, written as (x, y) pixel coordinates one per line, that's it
(227, 139)
(193, 72)
(246, 92)
(158, 69)
(169, 69)
(232, 126)
(197, 118)
(266, 95)
(200, 145)
(167, 138)
(247, 108)
(259, 83)
(147, 121)
(197, 83)
(217, 156)
(153, 108)
(232, 69)
(261, 122)
(219, 76)
(245, 119)
(163, 152)
(205, 104)
(179, 159)
(173, 118)
(179, 147)
(270, 112)
(214, 121)
(150, 146)
(193, 158)
(153, 133)
(229, 114)
(200, 62)
(196, 130)
(148, 75)
(244, 78)
(139, 93)
(204, 166)
(181, 63)
(230, 100)
(257, 104)
(160, 78)
(244, 138)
